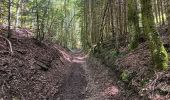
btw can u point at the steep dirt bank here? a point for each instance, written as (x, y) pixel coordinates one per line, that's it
(33, 72)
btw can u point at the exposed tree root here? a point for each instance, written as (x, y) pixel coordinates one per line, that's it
(10, 45)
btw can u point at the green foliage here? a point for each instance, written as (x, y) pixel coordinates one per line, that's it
(133, 20)
(124, 75)
(144, 82)
(58, 20)
(114, 53)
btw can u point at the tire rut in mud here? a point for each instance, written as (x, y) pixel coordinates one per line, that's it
(74, 85)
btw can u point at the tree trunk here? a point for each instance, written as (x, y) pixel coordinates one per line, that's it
(159, 11)
(37, 19)
(17, 13)
(169, 17)
(156, 11)
(9, 18)
(158, 52)
(118, 29)
(90, 22)
(133, 20)
(162, 12)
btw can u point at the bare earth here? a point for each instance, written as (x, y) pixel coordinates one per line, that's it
(90, 80)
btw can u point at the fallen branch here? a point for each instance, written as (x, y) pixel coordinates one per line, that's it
(61, 61)
(10, 45)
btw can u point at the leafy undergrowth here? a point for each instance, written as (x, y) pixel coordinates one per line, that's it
(33, 71)
(136, 71)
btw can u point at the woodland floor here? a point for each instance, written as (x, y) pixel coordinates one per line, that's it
(51, 72)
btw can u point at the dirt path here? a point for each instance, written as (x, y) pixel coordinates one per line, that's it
(89, 80)
(74, 84)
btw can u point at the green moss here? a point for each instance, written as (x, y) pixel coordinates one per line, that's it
(158, 52)
(124, 75)
(114, 53)
(161, 58)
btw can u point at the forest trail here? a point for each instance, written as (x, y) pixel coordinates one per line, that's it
(51, 72)
(88, 79)
(75, 83)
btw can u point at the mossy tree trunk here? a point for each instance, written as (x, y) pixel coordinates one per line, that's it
(158, 52)
(133, 20)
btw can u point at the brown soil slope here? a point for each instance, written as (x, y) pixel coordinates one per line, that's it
(33, 72)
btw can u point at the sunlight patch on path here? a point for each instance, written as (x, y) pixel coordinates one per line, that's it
(66, 56)
(111, 91)
(101, 84)
(76, 58)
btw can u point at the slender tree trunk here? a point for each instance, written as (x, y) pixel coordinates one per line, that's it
(37, 19)
(102, 22)
(133, 20)
(43, 20)
(1, 15)
(125, 16)
(9, 18)
(159, 11)
(17, 13)
(65, 24)
(90, 22)
(156, 11)
(169, 17)
(120, 16)
(162, 12)
(112, 18)
(118, 28)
